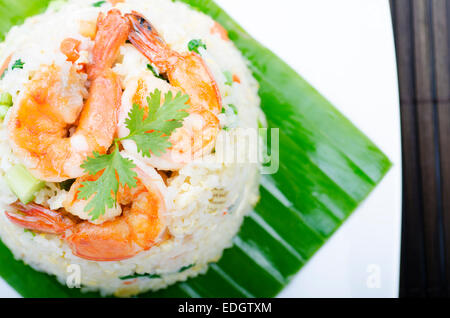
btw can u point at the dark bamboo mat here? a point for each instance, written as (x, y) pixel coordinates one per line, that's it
(422, 39)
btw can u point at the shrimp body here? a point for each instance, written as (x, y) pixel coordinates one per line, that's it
(41, 126)
(187, 73)
(141, 225)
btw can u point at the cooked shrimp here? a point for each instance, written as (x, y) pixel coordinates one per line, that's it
(41, 126)
(112, 32)
(141, 225)
(187, 73)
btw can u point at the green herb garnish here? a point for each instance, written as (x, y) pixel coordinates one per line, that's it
(193, 45)
(151, 276)
(105, 188)
(18, 64)
(151, 134)
(152, 69)
(29, 231)
(185, 268)
(229, 78)
(98, 4)
(234, 108)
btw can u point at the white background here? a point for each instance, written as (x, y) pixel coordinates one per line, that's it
(345, 49)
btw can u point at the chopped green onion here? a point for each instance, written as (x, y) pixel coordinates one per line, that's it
(22, 183)
(193, 45)
(151, 276)
(185, 268)
(6, 99)
(29, 231)
(3, 111)
(234, 108)
(18, 64)
(152, 69)
(229, 78)
(98, 4)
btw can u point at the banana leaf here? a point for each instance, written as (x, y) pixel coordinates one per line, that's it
(327, 167)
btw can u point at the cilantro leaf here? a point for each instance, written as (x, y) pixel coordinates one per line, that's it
(151, 143)
(134, 121)
(170, 115)
(151, 134)
(116, 171)
(194, 44)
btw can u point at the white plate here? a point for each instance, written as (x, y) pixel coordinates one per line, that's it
(346, 50)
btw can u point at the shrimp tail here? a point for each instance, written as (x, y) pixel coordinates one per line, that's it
(37, 218)
(148, 41)
(187, 71)
(112, 32)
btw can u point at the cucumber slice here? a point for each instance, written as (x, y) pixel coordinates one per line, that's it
(23, 184)
(3, 110)
(6, 99)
